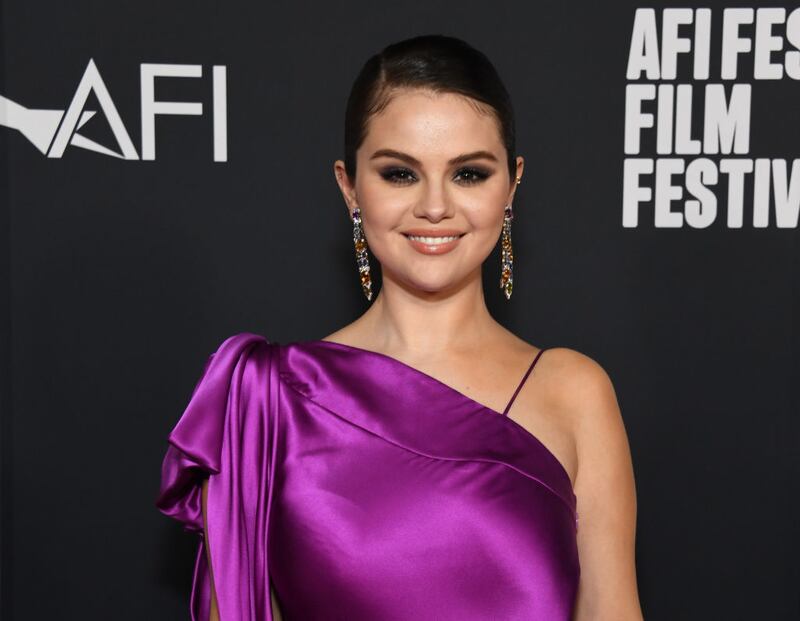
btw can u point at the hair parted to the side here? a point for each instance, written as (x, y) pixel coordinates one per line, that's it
(439, 63)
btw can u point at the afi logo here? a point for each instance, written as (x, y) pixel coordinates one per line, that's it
(51, 130)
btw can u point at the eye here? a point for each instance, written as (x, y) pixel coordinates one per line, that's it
(404, 176)
(472, 175)
(398, 176)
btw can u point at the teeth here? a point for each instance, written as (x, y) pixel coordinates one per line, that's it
(433, 240)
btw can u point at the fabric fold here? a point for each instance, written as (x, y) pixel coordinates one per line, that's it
(228, 433)
(413, 409)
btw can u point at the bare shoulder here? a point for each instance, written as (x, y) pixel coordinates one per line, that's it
(586, 396)
(605, 475)
(605, 487)
(582, 387)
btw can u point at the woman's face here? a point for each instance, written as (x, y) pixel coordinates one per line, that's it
(431, 165)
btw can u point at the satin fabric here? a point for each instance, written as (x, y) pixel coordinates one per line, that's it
(364, 490)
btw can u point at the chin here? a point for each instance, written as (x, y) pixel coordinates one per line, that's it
(430, 287)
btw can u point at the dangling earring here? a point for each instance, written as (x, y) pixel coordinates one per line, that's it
(362, 260)
(506, 265)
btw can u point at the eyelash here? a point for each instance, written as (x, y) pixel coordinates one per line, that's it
(477, 175)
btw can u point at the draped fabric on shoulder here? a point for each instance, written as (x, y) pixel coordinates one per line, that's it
(227, 433)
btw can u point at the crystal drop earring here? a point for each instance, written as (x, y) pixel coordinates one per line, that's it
(507, 260)
(362, 260)
(506, 265)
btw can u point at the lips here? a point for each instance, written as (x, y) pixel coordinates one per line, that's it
(432, 232)
(437, 239)
(430, 242)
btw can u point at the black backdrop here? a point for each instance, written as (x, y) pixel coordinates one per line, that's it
(122, 275)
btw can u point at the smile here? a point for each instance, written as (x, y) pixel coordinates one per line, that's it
(433, 240)
(433, 245)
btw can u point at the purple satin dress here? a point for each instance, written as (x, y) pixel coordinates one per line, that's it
(364, 490)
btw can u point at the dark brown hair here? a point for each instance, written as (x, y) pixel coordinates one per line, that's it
(436, 62)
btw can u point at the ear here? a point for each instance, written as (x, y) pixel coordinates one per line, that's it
(516, 182)
(346, 187)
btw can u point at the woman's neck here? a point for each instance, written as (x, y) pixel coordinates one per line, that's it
(405, 320)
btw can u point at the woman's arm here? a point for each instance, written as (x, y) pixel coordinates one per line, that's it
(214, 615)
(606, 494)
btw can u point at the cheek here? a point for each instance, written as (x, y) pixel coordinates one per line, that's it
(384, 205)
(485, 220)
(384, 219)
(483, 206)
(382, 226)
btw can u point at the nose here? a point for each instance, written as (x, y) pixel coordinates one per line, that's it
(434, 203)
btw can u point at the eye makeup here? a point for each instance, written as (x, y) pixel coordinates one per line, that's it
(469, 175)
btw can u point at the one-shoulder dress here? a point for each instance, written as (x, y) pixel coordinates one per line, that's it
(364, 489)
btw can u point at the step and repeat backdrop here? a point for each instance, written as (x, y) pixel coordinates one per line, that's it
(167, 180)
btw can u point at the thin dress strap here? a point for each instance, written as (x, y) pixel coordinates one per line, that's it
(524, 377)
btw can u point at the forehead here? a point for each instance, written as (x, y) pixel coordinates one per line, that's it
(424, 123)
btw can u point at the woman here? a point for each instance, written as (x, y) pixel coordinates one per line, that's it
(411, 465)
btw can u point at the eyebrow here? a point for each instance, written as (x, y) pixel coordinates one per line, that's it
(464, 157)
